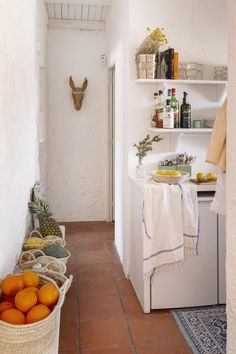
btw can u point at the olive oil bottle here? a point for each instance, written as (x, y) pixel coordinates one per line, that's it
(185, 113)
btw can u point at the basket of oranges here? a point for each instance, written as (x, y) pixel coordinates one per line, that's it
(30, 305)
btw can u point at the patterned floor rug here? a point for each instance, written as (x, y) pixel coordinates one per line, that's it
(204, 328)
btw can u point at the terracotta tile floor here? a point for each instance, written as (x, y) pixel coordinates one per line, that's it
(101, 314)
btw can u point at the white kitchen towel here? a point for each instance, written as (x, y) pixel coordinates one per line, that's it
(171, 225)
(219, 202)
(163, 227)
(216, 153)
(190, 218)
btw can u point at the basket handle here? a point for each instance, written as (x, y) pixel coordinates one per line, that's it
(24, 253)
(37, 252)
(59, 264)
(36, 232)
(64, 288)
(55, 240)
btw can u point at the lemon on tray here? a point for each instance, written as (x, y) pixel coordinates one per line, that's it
(201, 176)
(211, 176)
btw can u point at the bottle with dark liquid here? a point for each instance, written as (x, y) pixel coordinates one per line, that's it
(185, 113)
(168, 97)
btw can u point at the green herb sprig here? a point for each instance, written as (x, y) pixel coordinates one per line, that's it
(144, 146)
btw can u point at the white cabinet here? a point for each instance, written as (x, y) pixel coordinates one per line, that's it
(141, 285)
(199, 281)
(195, 283)
(222, 256)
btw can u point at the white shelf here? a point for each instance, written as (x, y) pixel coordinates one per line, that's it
(219, 85)
(177, 133)
(181, 82)
(181, 130)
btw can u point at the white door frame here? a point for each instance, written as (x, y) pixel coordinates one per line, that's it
(111, 198)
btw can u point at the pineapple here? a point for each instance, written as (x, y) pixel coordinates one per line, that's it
(48, 225)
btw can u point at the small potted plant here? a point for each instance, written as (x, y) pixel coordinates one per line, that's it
(143, 147)
(148, 51)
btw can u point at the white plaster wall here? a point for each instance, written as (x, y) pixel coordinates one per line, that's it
(117, 35)
(19, 106)
(197, 30)
(230, 186)
(42, 73)
(77, 182)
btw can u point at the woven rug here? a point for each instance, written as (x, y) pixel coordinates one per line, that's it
(204, 328)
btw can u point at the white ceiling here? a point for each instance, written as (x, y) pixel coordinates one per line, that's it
(77, 14)
(81, 12)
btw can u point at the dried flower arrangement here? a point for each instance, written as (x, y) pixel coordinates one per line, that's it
(153, 41)
(144, 146)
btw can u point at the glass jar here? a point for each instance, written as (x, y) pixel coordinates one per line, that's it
(194, 71)
(182, 71)
(140, 171)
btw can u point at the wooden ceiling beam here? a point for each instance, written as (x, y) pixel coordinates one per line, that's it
(80, 2)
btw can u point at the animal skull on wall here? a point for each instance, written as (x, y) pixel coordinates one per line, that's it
(78, 93)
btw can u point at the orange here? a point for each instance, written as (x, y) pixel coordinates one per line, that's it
(7, 298)
(13, 316)
(24, 300)
(5, 306)
(31, 288)
(37, 313)
(12, 284)
(30, 278)
(48, 295)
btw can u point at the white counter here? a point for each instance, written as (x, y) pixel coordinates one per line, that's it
(206, 191)
(197, 282)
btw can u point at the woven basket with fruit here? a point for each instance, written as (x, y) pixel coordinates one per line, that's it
(29, 306)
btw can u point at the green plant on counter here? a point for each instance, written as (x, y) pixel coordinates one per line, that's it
(144, 146)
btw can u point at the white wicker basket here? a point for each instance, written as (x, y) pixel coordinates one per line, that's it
(28, 261)
(64, 259)
(50, 238)
(35, 338)
(34, 255)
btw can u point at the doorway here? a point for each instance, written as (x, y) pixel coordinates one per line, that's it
(112, 144)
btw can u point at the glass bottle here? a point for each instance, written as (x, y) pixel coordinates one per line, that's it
(160, 110)
(174, 103)
(163, 66)
(168, 120)
(168, 97)
(185, 113)
(154, 110)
